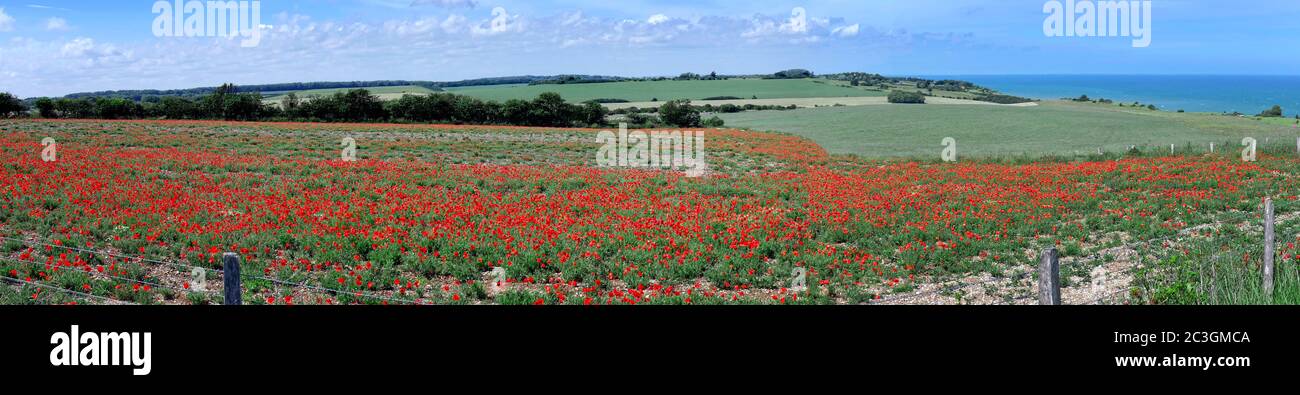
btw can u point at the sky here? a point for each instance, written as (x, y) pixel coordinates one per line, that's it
(56, 47)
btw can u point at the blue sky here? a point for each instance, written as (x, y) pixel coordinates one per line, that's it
(55, 47)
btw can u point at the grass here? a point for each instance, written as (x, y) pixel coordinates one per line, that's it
(384, 92)
(669, 90)
(1052, 128)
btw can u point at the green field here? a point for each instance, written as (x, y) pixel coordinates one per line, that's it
(1053, 128)
(384, 92)
(644, 91)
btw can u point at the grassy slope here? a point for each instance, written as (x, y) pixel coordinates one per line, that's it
(668, 90)
(1054, 128)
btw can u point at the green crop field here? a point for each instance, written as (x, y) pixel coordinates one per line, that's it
(1053, 128)
(644, 91)
(384, 92)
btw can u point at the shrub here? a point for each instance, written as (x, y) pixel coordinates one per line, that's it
(714, 122)
(901, 97)
(1275, 112)
(1003, 99)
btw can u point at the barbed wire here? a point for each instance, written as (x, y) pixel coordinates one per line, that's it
(277, 281)
(69, 291)
(45, 243)
(115, 277)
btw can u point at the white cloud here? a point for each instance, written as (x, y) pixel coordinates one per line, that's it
(846, 31)
(56, 24)
(657, 19)
(442, 46)
(453, 23)
(45, 7)
(6, 21)
(446, 3)
(78, 46)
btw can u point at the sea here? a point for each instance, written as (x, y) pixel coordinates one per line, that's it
(1247, 94)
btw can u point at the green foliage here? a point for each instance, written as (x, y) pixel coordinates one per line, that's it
(10, 106)
(1275, 112)
(902, 97)
(1002, 99)
(793, 74)
(714, 122)
(45, 108)
(680, 113)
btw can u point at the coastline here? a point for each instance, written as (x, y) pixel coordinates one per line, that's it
(1219, 94)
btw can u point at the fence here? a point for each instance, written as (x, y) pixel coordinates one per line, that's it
(232, 277)
(1049, 272)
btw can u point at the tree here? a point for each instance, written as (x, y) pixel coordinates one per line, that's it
(173, 107)
(680, 113)
(1275, 112)
(593, 114)
(45, 107)
(115, 108)
(549, 109)
(75, 108)
(290, 103)
(360, 105)
(244, 106)
(10, 106)
(214, 105)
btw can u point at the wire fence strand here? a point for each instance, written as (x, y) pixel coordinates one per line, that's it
(65, 290)
(274, 280)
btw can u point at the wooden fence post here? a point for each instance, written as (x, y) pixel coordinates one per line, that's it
(1049, 278)
(230, 269)
(1268, 247)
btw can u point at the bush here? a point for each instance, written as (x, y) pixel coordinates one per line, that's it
(1275, 112)
(714, 122)
(1003, 99)
(722, 98)
(901, 97)
(793, 74)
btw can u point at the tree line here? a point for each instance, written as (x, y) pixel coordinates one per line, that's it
(356, 105)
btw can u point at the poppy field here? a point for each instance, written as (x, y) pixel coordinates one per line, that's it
(142, 211)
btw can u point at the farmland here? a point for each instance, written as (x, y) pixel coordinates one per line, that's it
(428, 213)
(384, 92)
(1027, 133)
(645, 91)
